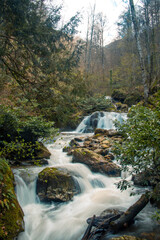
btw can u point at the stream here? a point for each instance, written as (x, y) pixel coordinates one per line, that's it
(67, 221)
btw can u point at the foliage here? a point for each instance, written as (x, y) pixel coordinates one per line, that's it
(95, 103)
(28, 128)
(38, 57)
(140, 147)
(19, 135)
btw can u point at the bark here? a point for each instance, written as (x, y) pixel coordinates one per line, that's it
(91, 39)
(139, 48)
(88, 230)
(129, 215)
(116, 222)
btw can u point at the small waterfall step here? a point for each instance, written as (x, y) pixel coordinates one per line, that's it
(104, 120)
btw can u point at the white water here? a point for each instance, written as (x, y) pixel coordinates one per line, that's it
(68, 221)
(104, 120)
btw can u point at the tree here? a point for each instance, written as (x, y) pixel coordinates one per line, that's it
(36, 54)
(139, 48)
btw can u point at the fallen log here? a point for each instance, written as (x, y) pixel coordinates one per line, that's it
(115, 223)
(88, 230)
(128, 216)
(104, 220)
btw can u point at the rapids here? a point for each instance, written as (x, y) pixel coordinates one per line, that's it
(67, 221)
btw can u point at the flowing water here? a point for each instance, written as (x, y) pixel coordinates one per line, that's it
(103, 120)
(67, 221)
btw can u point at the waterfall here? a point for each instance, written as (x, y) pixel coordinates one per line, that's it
(104, 120)
(67, 221)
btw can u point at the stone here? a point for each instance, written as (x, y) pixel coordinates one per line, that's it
(96, 162)
(42, 152)
(126, 237)
(11, 214)
(101, 131)
(55, 184)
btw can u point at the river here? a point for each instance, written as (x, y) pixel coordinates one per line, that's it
(67, 221)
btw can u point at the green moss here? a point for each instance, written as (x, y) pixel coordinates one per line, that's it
(50, 172)
(11, 214)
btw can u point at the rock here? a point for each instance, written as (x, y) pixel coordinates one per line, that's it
(96, 162)
(109, 156)
(55, 184)
(126, 237)
(11, 214)
(74, 143)
(118, 95)
(101, 131)
(113, 133)
(141, 179)
(110, 211)
(42, 152)
(121, 107)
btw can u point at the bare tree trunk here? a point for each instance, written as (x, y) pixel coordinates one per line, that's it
(91, 39)
(86, 50)
(149, 67)
(129, 215)
(139, 48)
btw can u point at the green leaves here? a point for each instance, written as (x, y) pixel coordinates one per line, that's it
(140, 147)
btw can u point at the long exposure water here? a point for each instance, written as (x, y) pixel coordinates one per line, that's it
(67, 221)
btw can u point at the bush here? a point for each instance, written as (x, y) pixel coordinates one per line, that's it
(140, 146)
(19, 136)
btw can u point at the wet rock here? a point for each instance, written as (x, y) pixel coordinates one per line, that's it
(96, 162)
(42, 152)
(113, 133)
(11, 214)
(106, 215)
(57, 185)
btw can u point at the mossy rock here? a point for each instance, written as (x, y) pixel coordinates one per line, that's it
(126, 237)
(11, 214)
(121, 107)
(96, 162)
(55, 184)
(133, 98)
(42, 152)
(119, 95)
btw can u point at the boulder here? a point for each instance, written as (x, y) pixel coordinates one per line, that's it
(121, 107)
(96, 162)
(126, 237)
(119, 95)
(55, 184)
(101, 131)
(11, 214)
(42, 152)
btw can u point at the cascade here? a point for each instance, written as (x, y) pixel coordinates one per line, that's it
(104, 120)
(67, 221)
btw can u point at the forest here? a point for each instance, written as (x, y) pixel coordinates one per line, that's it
(50, 79)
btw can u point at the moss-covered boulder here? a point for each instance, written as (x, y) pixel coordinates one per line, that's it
(55, 184)
(11, 214)
(121, 107)
(119, 95)
(96, 162)
(42, 152)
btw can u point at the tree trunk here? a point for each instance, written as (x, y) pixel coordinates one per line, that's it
(139, 48)
(91, 39)
(116, 222)
(129, 215)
